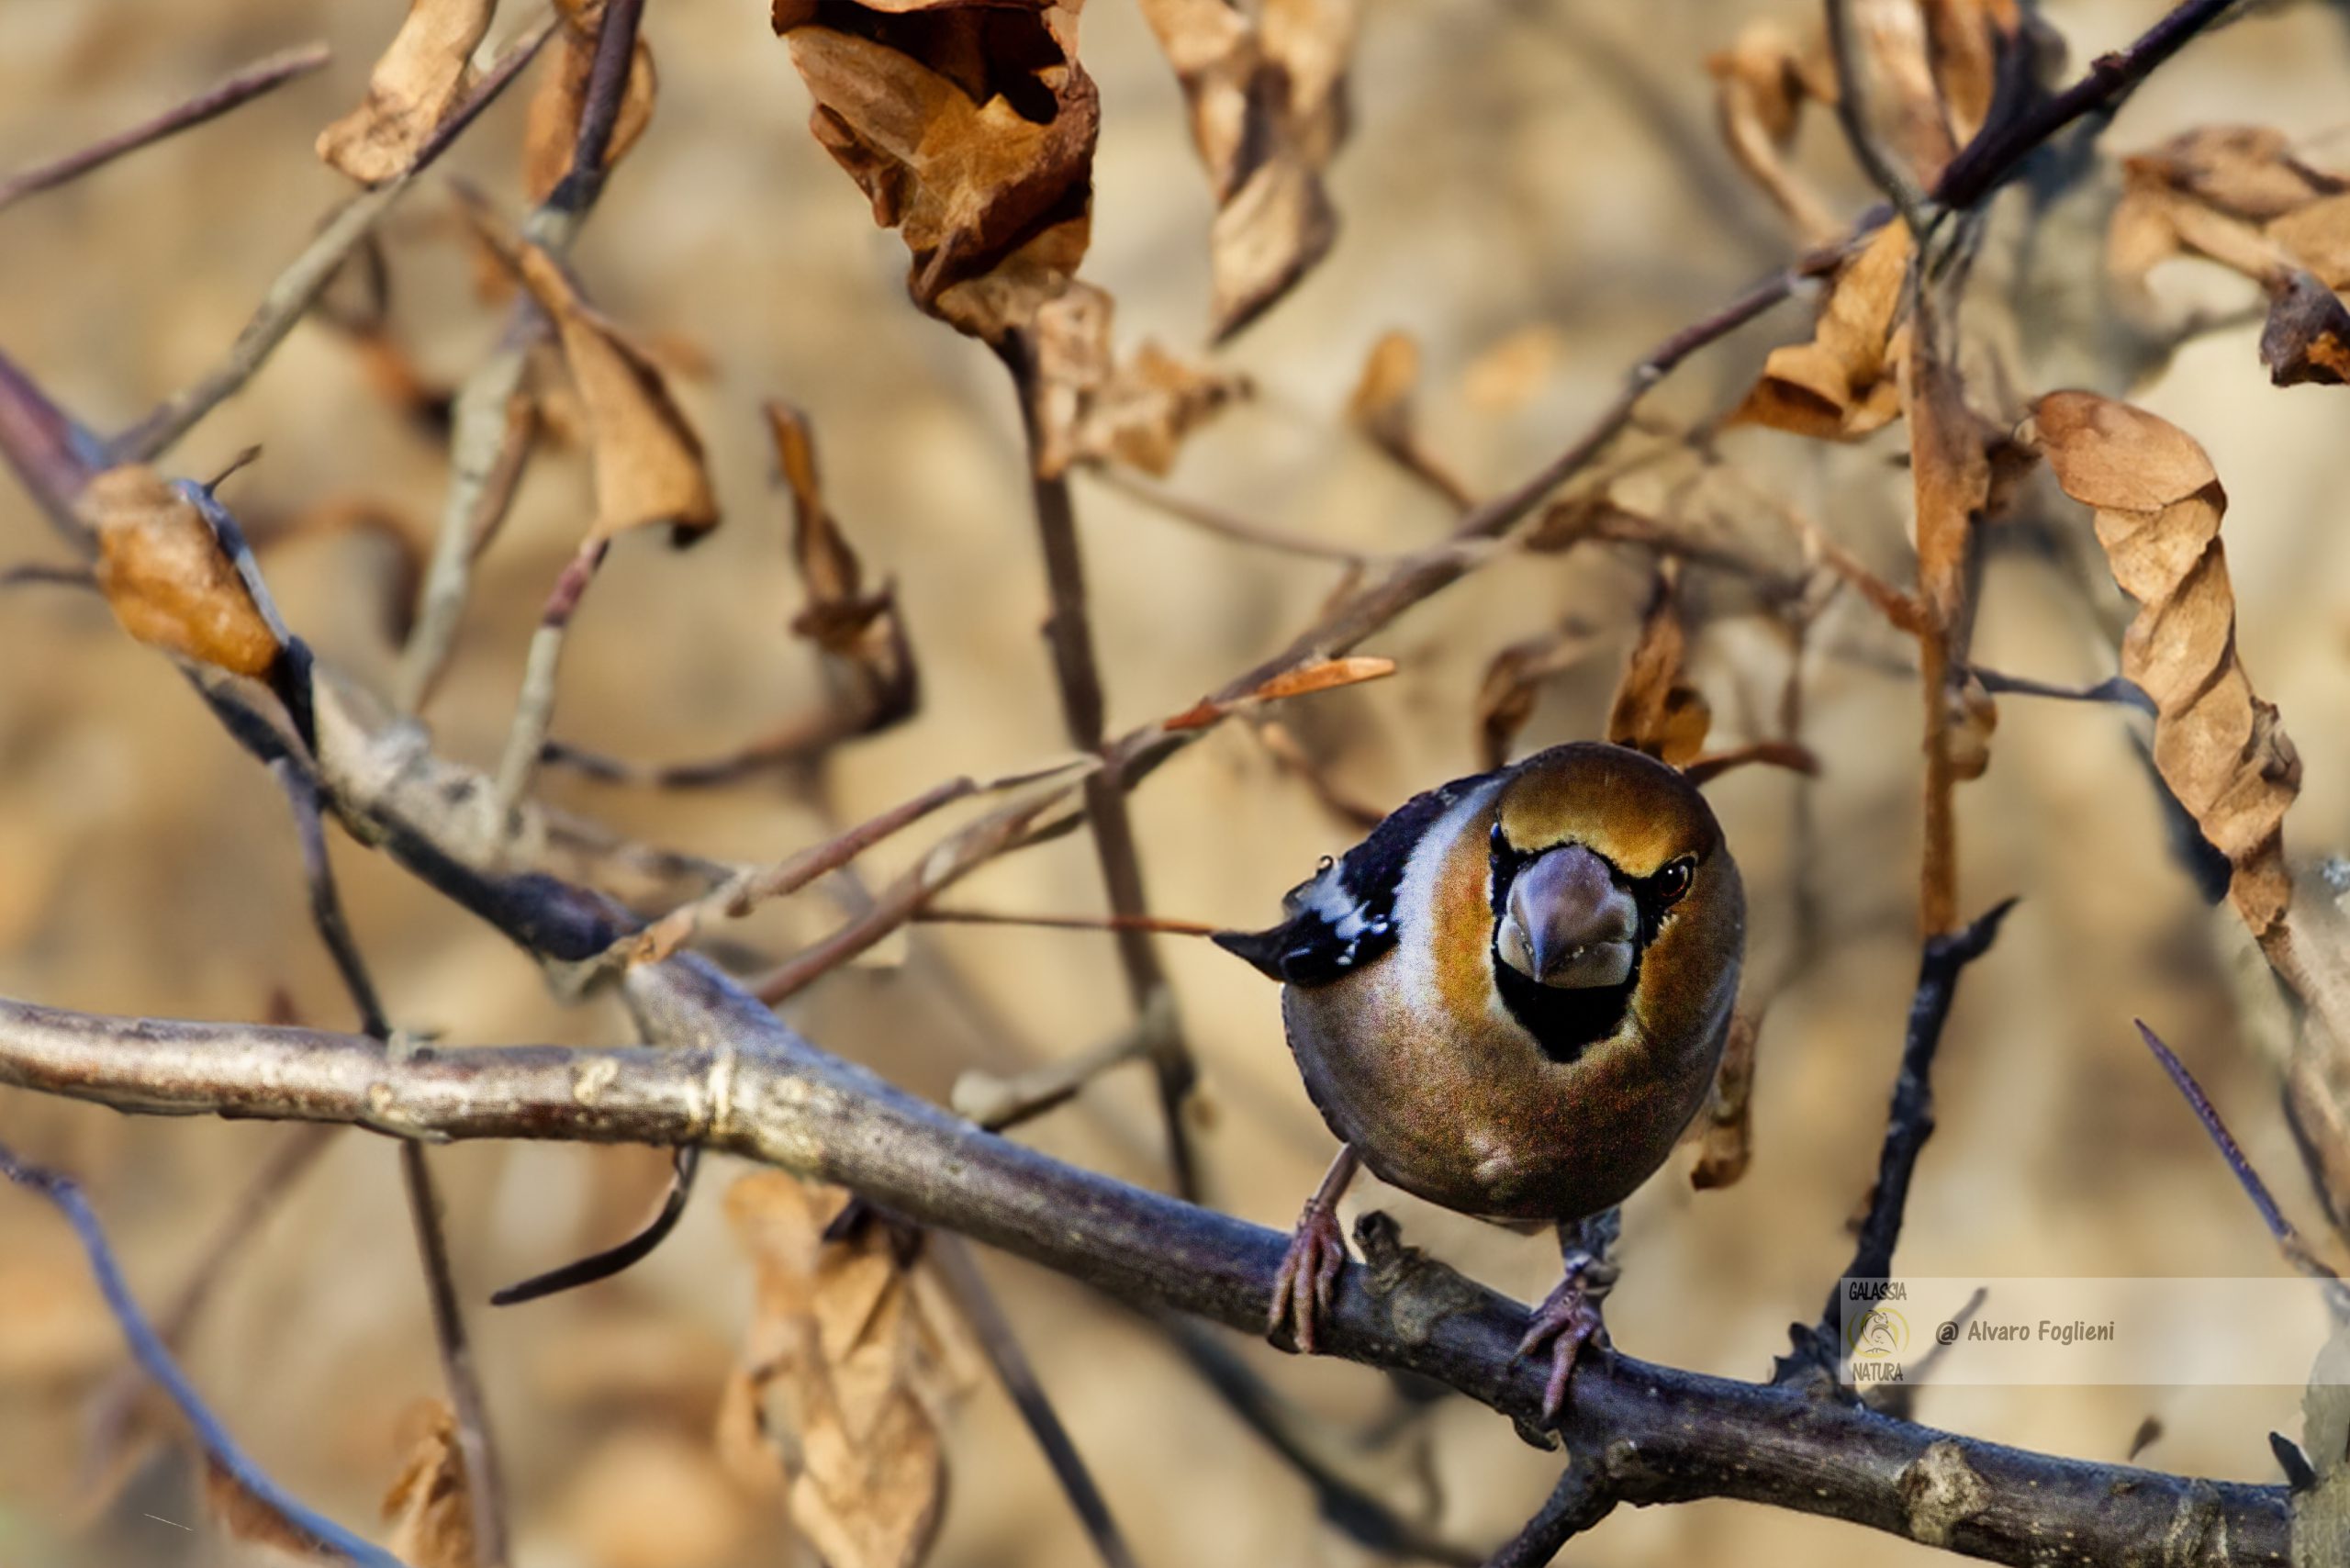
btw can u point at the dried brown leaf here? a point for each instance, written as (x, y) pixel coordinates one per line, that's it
(2237, 196)
(2217, 745)
(422, 75)
(1092, 410)
(1904, 99)
(247, 1516)
(551, 129)
(1725, 1133)
(1656, 710)
(1966, 40)
(1513, 685)
(1266, 89)
(861, 632)
(2306, 337)
(1761, 83)
(647, 459)
(1323, 675)
(429, 1501)
(1845, 381)
(169, 581)
(845, 1369)
(2318, 236)
(970, 127)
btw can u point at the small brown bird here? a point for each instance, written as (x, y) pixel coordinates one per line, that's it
(1509, 1000)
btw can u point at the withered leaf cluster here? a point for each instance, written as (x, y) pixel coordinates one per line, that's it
(1266, 87)
(849, 1362)
(2217, 745)
(971, 128)
(2239, 196)
(1089, 408)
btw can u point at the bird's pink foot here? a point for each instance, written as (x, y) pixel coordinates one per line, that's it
(1569, 1317)
(1317, 1250)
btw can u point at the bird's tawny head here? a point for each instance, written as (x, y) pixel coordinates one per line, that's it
(1613, 892)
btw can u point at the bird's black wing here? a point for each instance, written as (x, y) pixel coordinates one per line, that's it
(1344, 916)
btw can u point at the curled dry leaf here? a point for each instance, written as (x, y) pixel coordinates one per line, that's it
(1656, 710)
(1323, 675)
(2235, 195)
(1966, 40)
(647, 459)
(1761, 83)
(846, 1369)
(552, 126)
(970, 127)
(167, 577)
(1725, 1133)
(2217, 745)
(1901, 90)
(863, 633)
(420, 78)
(1381, 407)
(429, 1501)
(1266, 87)
(1845, 381)
(1513, 684)
(1092, 410)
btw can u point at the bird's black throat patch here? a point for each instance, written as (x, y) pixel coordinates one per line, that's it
(1565, 1022)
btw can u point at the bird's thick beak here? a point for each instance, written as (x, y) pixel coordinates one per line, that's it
(1567, 923)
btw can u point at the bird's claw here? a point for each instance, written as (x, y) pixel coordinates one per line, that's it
(1309, 1275)
(1569, 1317)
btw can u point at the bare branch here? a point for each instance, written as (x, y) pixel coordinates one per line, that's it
(297, 289)
(324, 1536)
(240, 87)
(727, 1074)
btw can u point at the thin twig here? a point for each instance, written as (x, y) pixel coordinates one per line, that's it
(2290, 1239)
(242, 87)
(1353, 1504)
(1156, 925)
(2116, 689)
(1853, 111)
(115, 1407)
(1818, 1349)
(534, 705)
(745, 891)
(993, 1329)
(1225, 525)
(1579, 1500)
(1078, 672)
(1000, 1103)
(613, 1260)
(297, 289)
(324, 1535)
(486, 1493)
(484, 455)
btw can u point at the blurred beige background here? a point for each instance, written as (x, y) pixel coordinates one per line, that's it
(1543, 175)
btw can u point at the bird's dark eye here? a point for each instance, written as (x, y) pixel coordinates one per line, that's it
(1667, 886)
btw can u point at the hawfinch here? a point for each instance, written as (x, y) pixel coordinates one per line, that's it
(1509, 1000)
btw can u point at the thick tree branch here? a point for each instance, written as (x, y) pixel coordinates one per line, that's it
(728, 1075)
